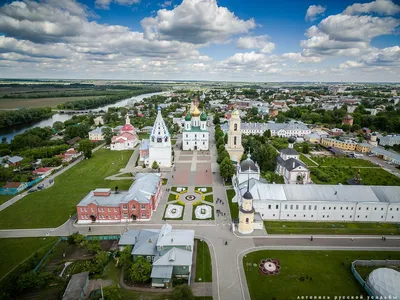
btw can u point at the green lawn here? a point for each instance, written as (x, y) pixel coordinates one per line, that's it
(171, 197)
(342, 162)
(335, 175)
(305, 273)
(164, 181)
(209, 189)
(209, 198)
(233, 207)
(203, 263)
(173, 142)
(364, 271)
(16, 250)
(306, 160)
(5, 198)
(277, 227)
(53, 206)
(194, 215)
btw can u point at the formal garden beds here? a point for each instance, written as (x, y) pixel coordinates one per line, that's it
(202, 211)
(179, 189)
(324, 273)
(204, 189)
(174, 211)
(164, 181)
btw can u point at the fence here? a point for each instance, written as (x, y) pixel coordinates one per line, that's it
(97, 237)
(46, 255)
(14, 191)
(370, 263)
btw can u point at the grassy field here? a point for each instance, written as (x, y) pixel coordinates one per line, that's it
(53, 206)
(203, 263)
(171, 197)
(15, 251)
(335, 175)
(305, 273)
(233, 207)
(4, 198)
(39, 102)
(277, 227)
(342, 162)
(365, 271)
(306, 160)
(209, 198)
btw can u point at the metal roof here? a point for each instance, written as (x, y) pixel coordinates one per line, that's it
(76, 286)
(161, 272)
(289, 151)
(181, 237)
(175, 257)
(146, 245)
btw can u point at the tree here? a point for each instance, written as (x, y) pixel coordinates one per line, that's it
(140, 270)
(85, 146)
(220, 142)
(227, 169)
(108, 134)
(154, 166)
(99, 262)
(182, 292)
(221, 156)
(221, 149)
(93, 246)
(76, 239)
(265, 156)
(267, 134)
(306, 148)
(125, 257)
(216, 119)
(58, 126)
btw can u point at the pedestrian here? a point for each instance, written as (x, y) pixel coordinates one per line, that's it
(384, 238)
(312, 238)
(90, 229)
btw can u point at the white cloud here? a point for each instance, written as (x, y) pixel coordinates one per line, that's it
(105, 4)
(197, 22)
(166, 4)
(380, 7)
(300, 58)
(256, 42)
(313, 12)
(350, 64)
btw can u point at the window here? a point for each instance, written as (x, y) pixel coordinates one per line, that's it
(397, 209)
(351, 208)
(365, 216)
(187, 135)
(342, 216)
(329, 208)
(204, 143)
(295, 216)
(304, 207)
(381, 217)
(115, 210)
(381, 208)
(235, 127)
(234, 140)
(92, 209)
(309, 207)
(367, 208)
(358, 217)
(109, 217)
(277, 207)
(297, 207)
(125, 215)
(315, 207)
(312, 216)
(391, 209)
(341, 208)
(187, 143)
(109, 209)
(269, 206)
(392, 217)
(124, 206)
(143, 206)
(287, 215)
(291, 206)
(133, 207)
(323, 216)
(285, 206)
(334, 208)
(273, 215)
(359, 208)
(323, 208)
(115, 217)
(148, 258)
(82, 209)
(144, 216)
(247, 220)
(304, 216)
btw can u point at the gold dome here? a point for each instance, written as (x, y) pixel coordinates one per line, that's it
(195, 112)
(235, 112)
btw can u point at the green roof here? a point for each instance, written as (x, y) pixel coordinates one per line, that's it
(188, 117)
(203, 116)
(195, 129)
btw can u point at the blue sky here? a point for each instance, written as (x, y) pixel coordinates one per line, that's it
(238, 40)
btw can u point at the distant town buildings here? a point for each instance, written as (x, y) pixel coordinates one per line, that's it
(126, 139)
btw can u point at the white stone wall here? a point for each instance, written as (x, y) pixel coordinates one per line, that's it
(192, 139)
(161, 154)
(328, 211)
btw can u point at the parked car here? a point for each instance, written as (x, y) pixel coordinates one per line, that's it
(32, 190)
(40, 187)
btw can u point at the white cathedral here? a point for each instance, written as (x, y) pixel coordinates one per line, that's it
(195, 134)
(158, 149)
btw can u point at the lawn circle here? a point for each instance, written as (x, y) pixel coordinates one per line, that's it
(190, 197)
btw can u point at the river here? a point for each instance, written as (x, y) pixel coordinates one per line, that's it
(10, 132)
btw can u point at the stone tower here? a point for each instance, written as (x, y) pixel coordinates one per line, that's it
(160, 143)
(234, 146)
(246, 213)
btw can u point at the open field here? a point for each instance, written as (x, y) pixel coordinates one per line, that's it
(342, 162)
(203, 263)
(38, 102)
(15, 251)
(53, 206)
(5, 198)
(306, 160)
(277, 227)
(369, 176)
(233, 207)
(306, 273)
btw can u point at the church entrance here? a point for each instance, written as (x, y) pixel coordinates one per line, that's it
(134, 217)
(195, 147)
(93, 218)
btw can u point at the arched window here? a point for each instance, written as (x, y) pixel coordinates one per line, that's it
(235, 127)
(234, 140)
(247, 220)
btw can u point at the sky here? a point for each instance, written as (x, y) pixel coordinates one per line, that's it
(226, 40)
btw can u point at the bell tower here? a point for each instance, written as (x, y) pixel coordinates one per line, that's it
(246, 212)
(234, 146)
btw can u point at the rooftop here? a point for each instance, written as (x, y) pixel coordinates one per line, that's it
(76, 286)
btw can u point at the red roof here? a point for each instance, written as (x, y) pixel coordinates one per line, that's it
(123, 137)
(42, 170)
(12, 185)
(128, 127)
(71, 152)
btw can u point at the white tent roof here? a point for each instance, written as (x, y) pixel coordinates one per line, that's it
(385, 282)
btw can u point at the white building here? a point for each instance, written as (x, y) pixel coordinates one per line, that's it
(311, 202)
(160, 144)
(289, 165)
(195, 134)
(293, 128)
(96, 134)
(127, 139)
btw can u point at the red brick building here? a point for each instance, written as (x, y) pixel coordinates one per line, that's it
(347, 120)
(138, 203)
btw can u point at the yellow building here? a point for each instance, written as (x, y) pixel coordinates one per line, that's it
(363, 147)
(246, 213)
(343, 145)
(234, 146)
